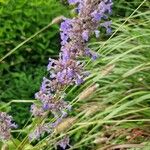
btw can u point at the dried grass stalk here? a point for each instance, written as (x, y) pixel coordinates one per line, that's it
(57, 19)
(64, 125)
(101, 140)
(88, 92)
(122, 146)
(108, 69)
(5, 147)
(92, 110)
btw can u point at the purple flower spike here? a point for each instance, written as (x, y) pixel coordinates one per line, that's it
(68, 69)
(5, 126)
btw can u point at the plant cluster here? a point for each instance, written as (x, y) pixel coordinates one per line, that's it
(86, 101)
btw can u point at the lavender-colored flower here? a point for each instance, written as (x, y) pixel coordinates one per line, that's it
(63, 143)
(105, 6)
(40, 130)
(97, 33)
(73, 1)
(85, 35)
(45, 87)
(56, 123)
(68, 70)
(5, 126)
(37, 111)
(96, 15)
(79, 80)
(50, 64)
(107, 25)
(59, 112)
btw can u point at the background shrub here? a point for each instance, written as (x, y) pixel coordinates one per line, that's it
(22, 72)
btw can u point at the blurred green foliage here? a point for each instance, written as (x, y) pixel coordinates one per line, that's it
(22, 72)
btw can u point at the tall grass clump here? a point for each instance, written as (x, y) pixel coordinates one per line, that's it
(107, 107)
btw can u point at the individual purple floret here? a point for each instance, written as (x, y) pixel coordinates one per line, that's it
(68, 70)
(97, 33)
(107, 25)
(73, 1)
(85, 35)
(37, 111)
(5, 126)
(63, 143)
(39, 130)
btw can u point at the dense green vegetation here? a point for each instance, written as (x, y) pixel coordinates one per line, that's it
(113, 113)
(22, 72)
